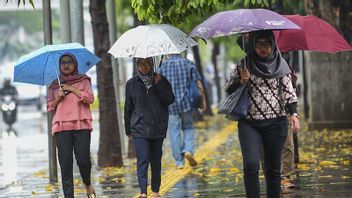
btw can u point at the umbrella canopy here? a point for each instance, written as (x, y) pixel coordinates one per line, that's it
(241, 21)
(41, 67)
(315, 35)
(151, 40)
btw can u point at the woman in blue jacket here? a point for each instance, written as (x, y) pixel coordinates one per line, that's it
(148, 95)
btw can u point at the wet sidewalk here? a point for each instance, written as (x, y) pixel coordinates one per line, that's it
(31, 163)
(324, 169)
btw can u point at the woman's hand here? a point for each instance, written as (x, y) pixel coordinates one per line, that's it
(294, 122)
(245, 75)
(71, 89)
(67, 87)
(157, 78)
(60, 95)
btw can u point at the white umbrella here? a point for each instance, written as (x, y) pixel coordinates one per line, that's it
(151, 40)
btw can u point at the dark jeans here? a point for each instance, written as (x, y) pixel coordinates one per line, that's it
(78, 142)
(254, 136)
(148, 151)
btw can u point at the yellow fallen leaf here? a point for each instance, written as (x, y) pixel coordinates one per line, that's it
(346, 162)
(303, 167)
(49, 188)
(320, 149)
(214, 170)
(326, 163)
(234, 170)
(325, 176)
(318, 168)
(79, 190)
(34, 193)
(77, 181)
(41, 173)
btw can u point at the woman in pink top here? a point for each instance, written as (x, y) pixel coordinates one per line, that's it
(72, 122)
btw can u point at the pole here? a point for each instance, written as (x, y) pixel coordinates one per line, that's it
(115, 68)
(51, 142)
(65, 22)
(76, 13)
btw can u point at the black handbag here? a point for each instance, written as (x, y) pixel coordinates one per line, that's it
(236, 105)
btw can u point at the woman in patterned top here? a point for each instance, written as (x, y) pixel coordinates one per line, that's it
(271, 98)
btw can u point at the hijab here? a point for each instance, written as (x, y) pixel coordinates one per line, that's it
(274, 66)
(148, 79)
(70, 79)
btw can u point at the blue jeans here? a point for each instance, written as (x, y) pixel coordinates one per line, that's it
(148, 151)
(269, 135)
(181, 135)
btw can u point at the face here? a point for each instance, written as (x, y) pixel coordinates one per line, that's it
(263, 47)
(67, 65)
(144, 66)
(7, 83)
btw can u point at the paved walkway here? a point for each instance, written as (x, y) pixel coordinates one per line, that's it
(324, 171)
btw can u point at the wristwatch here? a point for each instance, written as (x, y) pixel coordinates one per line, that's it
(295, 114)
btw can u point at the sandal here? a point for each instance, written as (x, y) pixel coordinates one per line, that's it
(156, 195)
(92, 194)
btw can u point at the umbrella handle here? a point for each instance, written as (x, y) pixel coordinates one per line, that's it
(58, 79)
(244, 60)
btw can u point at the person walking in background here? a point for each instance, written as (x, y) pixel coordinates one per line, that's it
(288, 152)
(72, 123)
(271, 98)
(8, 89)
(180, 71)
(148, 96)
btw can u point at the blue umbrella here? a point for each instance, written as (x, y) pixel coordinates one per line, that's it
(41, 67)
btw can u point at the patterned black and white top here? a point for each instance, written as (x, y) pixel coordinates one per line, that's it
(269, 98)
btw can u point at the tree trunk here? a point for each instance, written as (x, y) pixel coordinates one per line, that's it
(199, 67)
(109, 153)
(214, 55)
(337, 13)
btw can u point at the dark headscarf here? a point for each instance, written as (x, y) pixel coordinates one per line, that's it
(274, 66)
(148, 79)
(74, 78)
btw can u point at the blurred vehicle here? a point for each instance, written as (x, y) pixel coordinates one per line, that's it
(29, 95)
(9, 110)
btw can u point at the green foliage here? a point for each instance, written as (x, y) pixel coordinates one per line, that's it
(176, 12)
(124, 16)
(30, 20)
(23, 2)
(256, 3)
(294, 7)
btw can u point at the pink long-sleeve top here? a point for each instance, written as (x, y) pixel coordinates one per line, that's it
(72, 113)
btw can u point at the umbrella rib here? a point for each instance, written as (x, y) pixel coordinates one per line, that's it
(46, 63)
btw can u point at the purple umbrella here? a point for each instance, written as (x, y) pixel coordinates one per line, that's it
(241, 21)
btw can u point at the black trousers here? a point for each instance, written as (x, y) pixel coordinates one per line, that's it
(148, 151)
(254, 136)
(78, 142)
